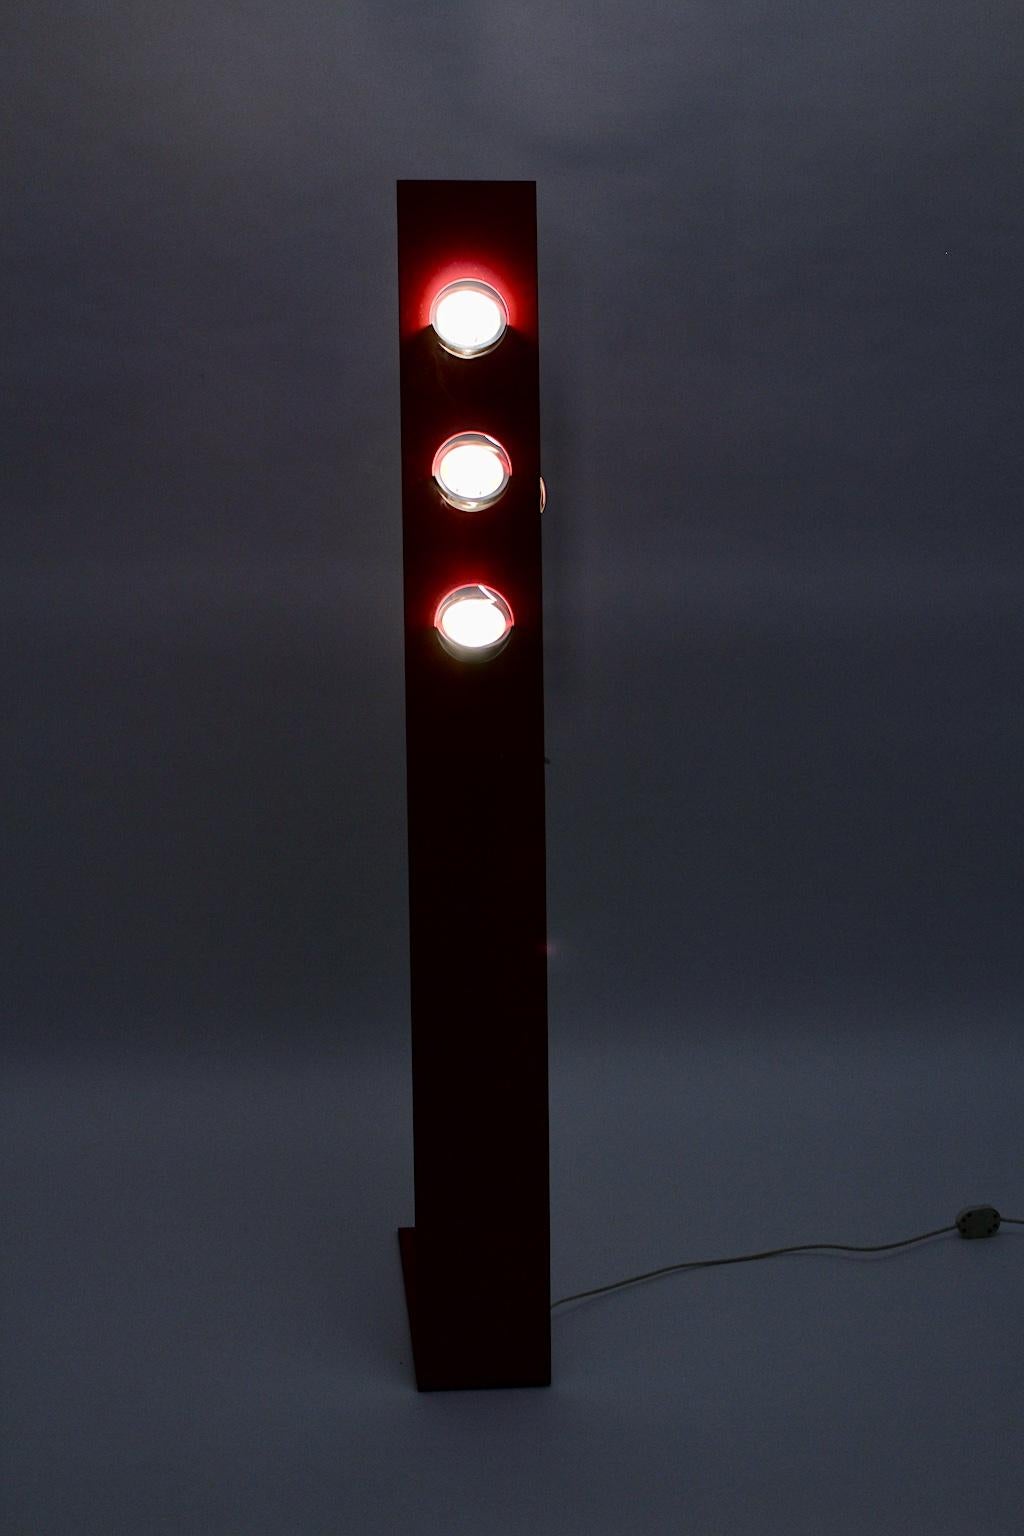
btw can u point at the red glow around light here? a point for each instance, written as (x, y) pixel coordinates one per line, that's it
(451, 272)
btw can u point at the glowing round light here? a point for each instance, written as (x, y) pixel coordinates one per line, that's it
(469, 317)
(473, 622)
(472, 470)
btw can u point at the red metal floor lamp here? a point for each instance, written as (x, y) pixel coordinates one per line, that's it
(476, 1263)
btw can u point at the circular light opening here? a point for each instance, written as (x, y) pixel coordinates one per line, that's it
(472, 470)
(469, 317)
(473, 622)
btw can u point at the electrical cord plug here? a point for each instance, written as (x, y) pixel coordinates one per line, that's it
(978, 1221)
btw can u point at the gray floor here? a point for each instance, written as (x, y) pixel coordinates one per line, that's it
(204, 1328)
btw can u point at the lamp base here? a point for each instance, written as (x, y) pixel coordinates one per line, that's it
(473, 1337)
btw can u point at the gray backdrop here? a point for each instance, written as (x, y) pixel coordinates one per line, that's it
(780, 265)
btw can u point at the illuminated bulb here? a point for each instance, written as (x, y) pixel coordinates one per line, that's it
(473, 622)
(469, 317)
(472, 470)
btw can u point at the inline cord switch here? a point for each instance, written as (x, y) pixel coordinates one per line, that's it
(978, 1221)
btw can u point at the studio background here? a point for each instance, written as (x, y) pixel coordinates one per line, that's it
(780, 268)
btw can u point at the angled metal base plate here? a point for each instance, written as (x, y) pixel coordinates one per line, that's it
(450, 1350)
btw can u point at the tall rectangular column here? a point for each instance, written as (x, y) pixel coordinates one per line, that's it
(476, 1264)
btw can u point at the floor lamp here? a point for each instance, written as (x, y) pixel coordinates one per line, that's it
(476, 1263)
